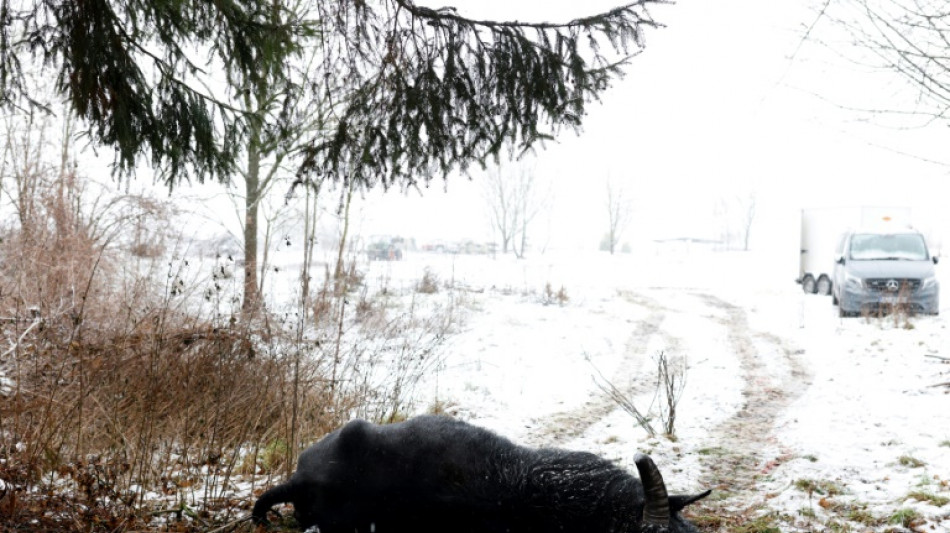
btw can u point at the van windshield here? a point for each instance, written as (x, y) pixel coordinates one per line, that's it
(897, 246)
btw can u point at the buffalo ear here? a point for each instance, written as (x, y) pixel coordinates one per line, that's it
(678, 503)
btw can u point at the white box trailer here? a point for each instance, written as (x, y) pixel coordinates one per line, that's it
(821, 230)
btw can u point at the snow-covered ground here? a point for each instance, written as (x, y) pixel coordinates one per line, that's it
(792, 415)
(788, 411)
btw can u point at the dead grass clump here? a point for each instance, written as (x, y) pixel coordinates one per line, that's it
(118, 402)
(130, 397)
(429, 284)
(157, 411)
(551, 296)
(910, 461)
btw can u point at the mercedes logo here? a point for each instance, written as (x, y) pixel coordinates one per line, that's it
(892, 285)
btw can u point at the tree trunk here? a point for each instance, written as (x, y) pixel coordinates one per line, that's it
(339, 271)
(524, 240)
(310, 242)
(252, 295)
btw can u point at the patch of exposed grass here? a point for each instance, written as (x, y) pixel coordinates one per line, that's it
(838, 527)
(762, 524)
(854, 512)
(719, 495)
(814, 486)
(708, 522)
(910, 461)
(393, 417)
(945, 444)
(442, 407)
(861, 516)
(276, 453)
(712, 451)
(903, 517)
(929, 497)
(712, 517)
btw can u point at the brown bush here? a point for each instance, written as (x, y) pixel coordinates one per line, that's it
(121, 405)
(125, 395)
(112, 392)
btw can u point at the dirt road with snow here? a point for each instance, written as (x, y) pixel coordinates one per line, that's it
(774, 374)
(740, 446)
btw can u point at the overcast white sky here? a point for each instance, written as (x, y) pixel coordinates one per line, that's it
(714, 107)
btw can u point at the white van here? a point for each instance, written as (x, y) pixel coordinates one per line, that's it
(884, 269)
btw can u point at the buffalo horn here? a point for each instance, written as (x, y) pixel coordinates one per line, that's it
(656, 509)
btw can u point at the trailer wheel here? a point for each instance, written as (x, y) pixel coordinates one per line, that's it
(808, 284)
(823, 286)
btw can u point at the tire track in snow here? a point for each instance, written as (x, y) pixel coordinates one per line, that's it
(629, 377)
(743, 447)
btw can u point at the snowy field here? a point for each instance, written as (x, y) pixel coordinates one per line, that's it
(788, 411)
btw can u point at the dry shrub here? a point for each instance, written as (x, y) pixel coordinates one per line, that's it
(124, 399)
(107, 410)
(116, 401)
(429, 284)
(551, 296)
(671, 381)
(159, 410)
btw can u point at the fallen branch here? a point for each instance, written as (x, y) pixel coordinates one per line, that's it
(945, 384)
(621, 399)
(19, 341)
(229, 525)
(938, 357)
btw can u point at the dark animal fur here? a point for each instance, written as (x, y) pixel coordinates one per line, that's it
(437, 475)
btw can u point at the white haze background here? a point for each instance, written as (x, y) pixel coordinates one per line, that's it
(726, 100)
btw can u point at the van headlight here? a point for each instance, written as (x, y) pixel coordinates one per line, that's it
(855, 282)
(928, 283)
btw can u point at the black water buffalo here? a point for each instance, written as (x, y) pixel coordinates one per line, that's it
(433, 474)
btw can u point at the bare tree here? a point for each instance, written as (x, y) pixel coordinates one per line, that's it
(736, 216)
(530, 201)
(499, 197)
(908, 37)
(514, 201)
(618, 214)
(346, 202)
(22, 165)
(748, 217)
(279, 121)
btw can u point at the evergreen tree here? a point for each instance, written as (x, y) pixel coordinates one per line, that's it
(430, 91)
(422, 92)
(147, 75)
